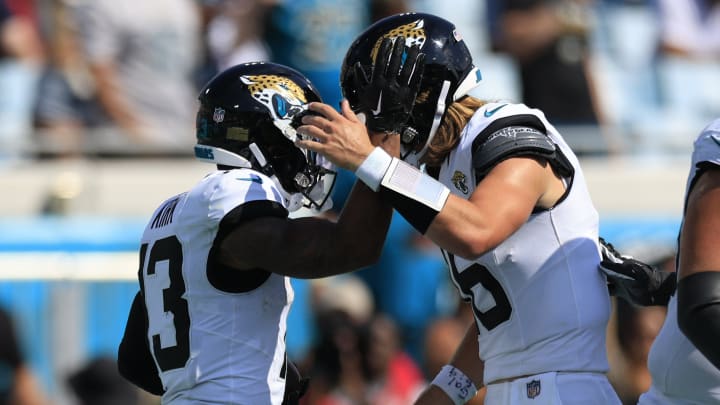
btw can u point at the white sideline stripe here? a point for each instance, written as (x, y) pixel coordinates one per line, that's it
(96, 266)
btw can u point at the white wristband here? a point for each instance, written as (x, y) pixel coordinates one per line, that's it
(455, 384)
(372, 170)
(410, 182)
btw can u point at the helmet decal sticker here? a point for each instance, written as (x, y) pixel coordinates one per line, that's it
(458, 180)
(413, 32)
(458, 37)
(218, 115)
(238, 134)
(280, 95)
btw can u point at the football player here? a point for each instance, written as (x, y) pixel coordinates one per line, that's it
(684, 359)
(505, 199)
(209, 322)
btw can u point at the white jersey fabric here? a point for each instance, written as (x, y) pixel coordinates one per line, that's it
(681, 375)
(540, 302)
(212, 346)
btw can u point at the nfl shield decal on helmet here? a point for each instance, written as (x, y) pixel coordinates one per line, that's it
(533, 389)
(218, 114)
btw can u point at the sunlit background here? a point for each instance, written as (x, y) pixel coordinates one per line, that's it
(96, 129)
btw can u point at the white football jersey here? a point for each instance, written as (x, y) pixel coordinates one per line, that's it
(681, 375)
(539, 300)
(213, 344)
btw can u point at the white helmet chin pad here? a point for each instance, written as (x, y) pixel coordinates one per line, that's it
(318, 195)
(294, 201)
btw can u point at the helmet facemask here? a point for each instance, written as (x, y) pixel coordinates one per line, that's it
(306, 179)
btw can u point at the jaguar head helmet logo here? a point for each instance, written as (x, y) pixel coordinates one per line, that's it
(414, 34)
(280, 95)
(458, 180)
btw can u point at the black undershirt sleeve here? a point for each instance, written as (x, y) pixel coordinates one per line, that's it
(231, 280)
(135, 362)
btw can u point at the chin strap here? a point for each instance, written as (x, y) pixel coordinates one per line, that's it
(294, 201)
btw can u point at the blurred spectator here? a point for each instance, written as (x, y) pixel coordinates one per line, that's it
(360, 361)
(549, 41)
(235, 32)
(347, 293)
(68, 108)
(635, 329)
(689, 52)
(358, 357)
(18, 385)
(394, 377)
(338, 375)
(99, 383)
(690, 28)
(409, 282)
(21, 59)
(626, 70)
(142, 57)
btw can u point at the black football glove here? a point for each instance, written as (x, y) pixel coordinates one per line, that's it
(387, 98)
(295, 385)
(634, 281)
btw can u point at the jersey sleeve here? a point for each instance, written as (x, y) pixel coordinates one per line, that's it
(707, 146)
(522, 134)
(237, 188)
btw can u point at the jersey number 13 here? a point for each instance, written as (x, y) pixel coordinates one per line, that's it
(168, 314)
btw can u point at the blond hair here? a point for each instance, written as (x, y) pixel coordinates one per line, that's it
(457, 115)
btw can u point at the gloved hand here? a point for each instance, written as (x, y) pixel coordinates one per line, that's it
(387, 98)
(634, 281)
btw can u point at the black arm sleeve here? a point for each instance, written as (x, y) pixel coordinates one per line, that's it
(135, 363)
(231, 280)
(699, 312)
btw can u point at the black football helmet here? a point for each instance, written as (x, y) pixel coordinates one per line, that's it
(449, 72)
(247, 119)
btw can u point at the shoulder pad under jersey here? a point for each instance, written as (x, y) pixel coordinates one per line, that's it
(516, 135)
(233, 188)
(707, 146)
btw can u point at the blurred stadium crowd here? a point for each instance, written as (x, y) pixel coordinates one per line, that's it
(109, 81)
